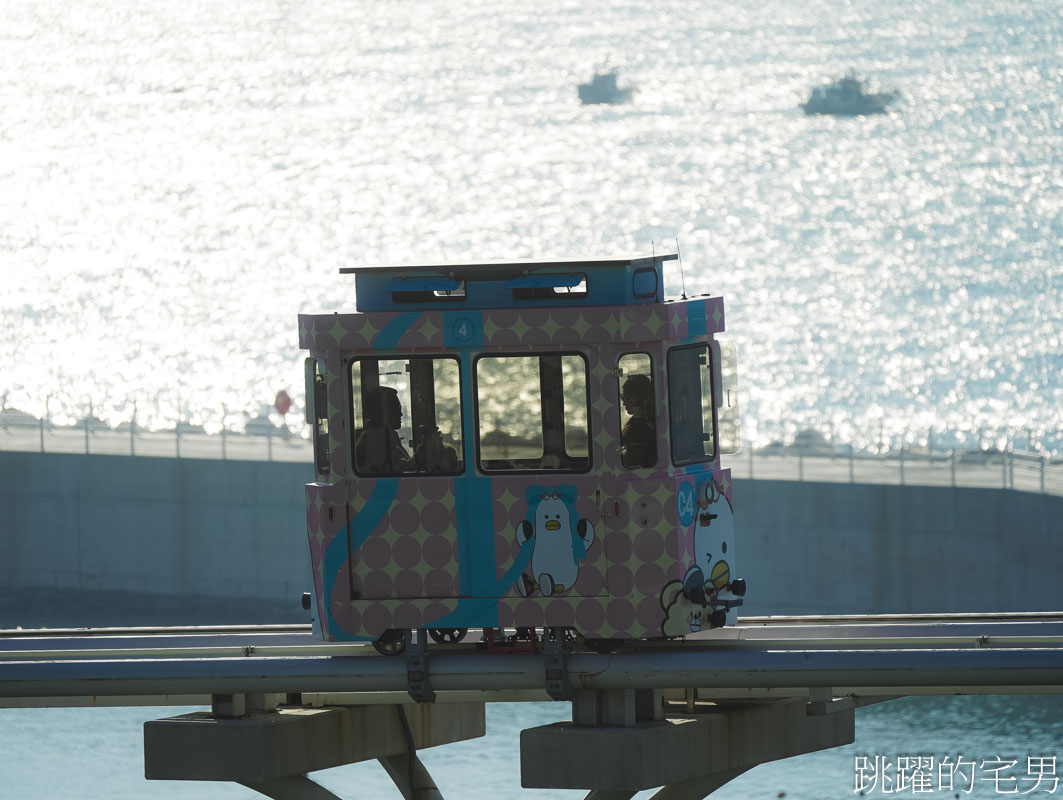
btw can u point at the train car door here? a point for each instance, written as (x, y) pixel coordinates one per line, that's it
(638, 512)
(702, 489)
(407, 454)
(535, 491)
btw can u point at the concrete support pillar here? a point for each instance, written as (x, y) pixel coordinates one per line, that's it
(262, 703)
(610, 794)
(228, 706)
(292, 787)
(649, 705)
(619, 708)
(697, 788)
(612, 707)
(271, 752)
(412, 778)
(689, 754)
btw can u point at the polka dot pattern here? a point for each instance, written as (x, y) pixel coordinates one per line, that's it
(406, 615)
(649, 578)
(648, 545)
(377, 618)
(530, 613)
(621, 581)
(590, 615)
(434, 517)
(406, 552)
(617, 593)
(439, 583)
(375, 585)
(411, 578)
(560, 612)
(438, 552)
(620, 615)
(650, 611)
(376, 553)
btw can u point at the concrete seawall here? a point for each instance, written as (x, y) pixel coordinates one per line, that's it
(836, 548)
(94, 539)
(114, 540)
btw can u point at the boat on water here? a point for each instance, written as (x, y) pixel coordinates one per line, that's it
(603, 88)
(847, 97)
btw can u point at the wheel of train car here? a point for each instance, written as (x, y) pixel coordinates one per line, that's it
(718, 618)
(392, 642)
(604, 645)
(447, 635)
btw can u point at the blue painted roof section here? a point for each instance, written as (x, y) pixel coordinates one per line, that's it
(430, 283)
(511, 284)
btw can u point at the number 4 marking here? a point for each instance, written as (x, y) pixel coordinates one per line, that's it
(463, 330)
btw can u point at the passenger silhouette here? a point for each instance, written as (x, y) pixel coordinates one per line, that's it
(638, 437)
(378, 449)
(432, 455)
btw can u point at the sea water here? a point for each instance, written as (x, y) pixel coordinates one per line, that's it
(179, 180)
(990, 746)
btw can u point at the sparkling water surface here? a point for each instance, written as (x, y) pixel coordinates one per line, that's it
(181, 179)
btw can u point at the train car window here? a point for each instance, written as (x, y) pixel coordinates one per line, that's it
(532, 413)
(690, 388)
(727, 417)
(549, 287)
(644, 283)
(406, 416)
(317, 412)
(638, 412)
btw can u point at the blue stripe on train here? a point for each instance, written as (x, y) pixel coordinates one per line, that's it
(363, 524)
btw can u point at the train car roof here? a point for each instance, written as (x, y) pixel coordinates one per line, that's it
(616, 280)
(501, 270)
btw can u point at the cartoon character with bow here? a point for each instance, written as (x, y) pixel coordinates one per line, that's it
(713, 529)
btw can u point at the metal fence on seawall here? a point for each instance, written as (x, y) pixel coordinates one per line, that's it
(804, 459)
(263, 441)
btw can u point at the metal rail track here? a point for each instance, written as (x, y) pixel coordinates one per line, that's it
(1040, 629)
(760, 657)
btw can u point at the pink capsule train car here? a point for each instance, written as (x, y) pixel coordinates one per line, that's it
(516, 446)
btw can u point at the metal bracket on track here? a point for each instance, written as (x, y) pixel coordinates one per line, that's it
(821, 701)
(417, 682)
(556, 658)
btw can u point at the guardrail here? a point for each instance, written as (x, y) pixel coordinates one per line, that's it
(1005, 469)
(994, 469)
(267, 443)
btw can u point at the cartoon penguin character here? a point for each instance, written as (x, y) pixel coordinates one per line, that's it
(713, 530)
(559, 540)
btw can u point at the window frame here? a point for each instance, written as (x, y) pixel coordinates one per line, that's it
(620, 408)
(538, 354)
(431, 357)
(706, 347)
(314, 374)
(545, 291)
(635, 279)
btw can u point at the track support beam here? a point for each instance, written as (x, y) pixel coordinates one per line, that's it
(617, 751)
(272, 751)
